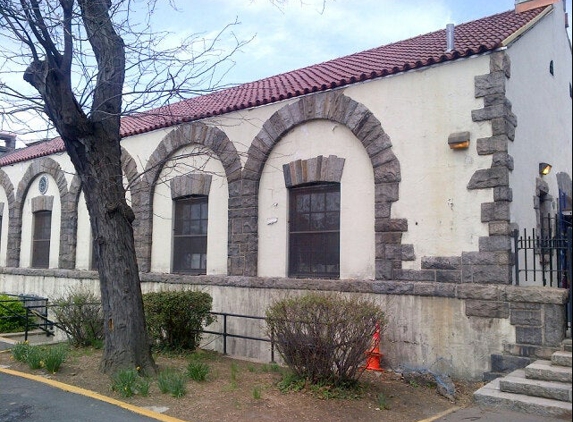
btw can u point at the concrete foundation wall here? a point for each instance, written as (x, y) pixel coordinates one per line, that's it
(446, 328)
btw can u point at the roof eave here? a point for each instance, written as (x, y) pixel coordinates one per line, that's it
(517, 34)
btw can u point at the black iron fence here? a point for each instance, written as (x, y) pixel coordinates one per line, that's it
(36, 317)
(543, 256)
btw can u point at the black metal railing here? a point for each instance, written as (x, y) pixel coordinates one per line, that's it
(226, 334)
(544, 256)
(35, 316)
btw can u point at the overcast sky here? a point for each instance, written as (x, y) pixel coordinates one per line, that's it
(290, 34)
(299, 33)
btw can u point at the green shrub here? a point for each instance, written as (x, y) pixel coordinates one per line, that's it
(172, 382)
(324, 337)
(81, 314)
(12, 315)
(175, 319)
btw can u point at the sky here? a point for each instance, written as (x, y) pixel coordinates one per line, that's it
(291, 34)
(298, 33)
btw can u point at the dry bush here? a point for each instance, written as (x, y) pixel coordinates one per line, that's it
(324, 337)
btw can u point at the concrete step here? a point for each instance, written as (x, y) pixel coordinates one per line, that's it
(491, 396)
(543, 370)
(517, 383)
(562, 359)
(567, 345)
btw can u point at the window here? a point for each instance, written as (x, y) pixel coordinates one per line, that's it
(41, 239)
(314, 232)
(93, 259)
(190, 235)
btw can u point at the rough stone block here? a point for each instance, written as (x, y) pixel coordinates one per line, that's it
(525, 317)
(441, 263)
(495, 243)
(489, 178)
(448, 276)
(529, 335)
(415, 275)
(488, 84)
(487, 309)
(554, 325)
(495, 211)
(502, 193)
(493, 144)
(383, 269)
(502, 159)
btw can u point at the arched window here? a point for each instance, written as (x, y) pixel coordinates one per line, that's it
(314, 230)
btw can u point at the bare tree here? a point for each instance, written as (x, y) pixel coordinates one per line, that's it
(77, 58)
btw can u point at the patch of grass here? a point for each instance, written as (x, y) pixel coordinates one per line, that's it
(53, 357)
(20, 351)
(204, 355)
(128, 382)
(291, 382)
(198, 371)
(234, 371)
(383, 401)
(35, 357)
(271, 367)
(172, 382)
(257, 392)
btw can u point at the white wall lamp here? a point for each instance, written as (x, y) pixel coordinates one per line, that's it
(544, 169)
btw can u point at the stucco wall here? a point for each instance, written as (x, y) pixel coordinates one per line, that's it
(542, 104)
(357, 199)
(419, 110)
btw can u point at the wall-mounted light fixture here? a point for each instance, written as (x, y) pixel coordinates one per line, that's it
(459, 140)
(544, 169)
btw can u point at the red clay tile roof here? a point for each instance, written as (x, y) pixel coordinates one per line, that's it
(471, 38)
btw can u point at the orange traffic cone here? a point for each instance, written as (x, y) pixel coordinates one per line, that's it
(374, 355)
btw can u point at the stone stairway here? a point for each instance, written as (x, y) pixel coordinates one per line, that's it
(542, 388)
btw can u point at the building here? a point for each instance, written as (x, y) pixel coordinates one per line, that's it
(397, 173)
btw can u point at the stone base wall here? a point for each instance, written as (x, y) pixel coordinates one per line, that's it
(443, 327)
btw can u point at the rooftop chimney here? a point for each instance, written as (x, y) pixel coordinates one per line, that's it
(525, 5)
(449, 37)
(9, 142)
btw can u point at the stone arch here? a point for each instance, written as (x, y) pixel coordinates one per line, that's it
(333, 106)
(6, 184)
(186, 134)
(51, 167)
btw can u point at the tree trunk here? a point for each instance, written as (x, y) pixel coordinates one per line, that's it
(126, 344)
(93, 144)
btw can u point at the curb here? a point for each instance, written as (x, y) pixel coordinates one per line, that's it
(440, 415)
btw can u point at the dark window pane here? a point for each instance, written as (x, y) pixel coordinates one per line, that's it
(317, 202)
(190, 235)
(314, 242)
(41, 239)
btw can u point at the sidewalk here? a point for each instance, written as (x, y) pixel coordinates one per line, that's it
(477, 414)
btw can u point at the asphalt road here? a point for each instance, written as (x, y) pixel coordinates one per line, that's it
(24, 400)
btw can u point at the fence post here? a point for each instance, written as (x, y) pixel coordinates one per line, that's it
(516, 249)
(27, 319)
(224, 334)
(569, 277)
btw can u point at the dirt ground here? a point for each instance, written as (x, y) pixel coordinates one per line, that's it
(244, 391)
